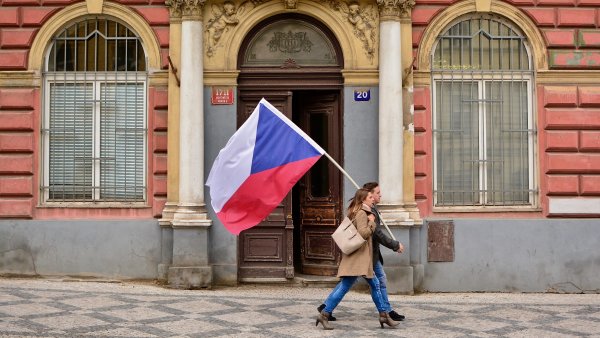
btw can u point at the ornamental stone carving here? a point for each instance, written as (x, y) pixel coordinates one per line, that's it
(395, 9)
(290, 4)
(224, 17)
(175, 8)
(192, 9)
(363, 20)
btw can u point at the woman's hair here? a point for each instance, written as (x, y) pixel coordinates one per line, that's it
(357, 201)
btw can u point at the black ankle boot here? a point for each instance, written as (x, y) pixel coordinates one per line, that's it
(331, 317)
(396, 316)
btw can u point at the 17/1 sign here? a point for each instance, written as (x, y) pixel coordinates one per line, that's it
(362, 94)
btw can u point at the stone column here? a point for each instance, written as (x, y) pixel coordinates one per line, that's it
(190, 268)
(391, 142)
(391, 121)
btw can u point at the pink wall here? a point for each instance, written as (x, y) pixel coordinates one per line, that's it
(20, 114)
(569, 139)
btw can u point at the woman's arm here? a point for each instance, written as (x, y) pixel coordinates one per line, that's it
(364, 225)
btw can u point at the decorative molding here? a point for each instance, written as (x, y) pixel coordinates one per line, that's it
(354, 56)
(544, 77)
(290, 63)
(226, 78)
(395, 9)
(483, 5)
(361, 77)
(175, 8)
(224, 16)
(192, 10)
(158, 79)
(290, 4)
(568, 77)
(421, 78)
(20, 79)
(363, 20)
(94, 6)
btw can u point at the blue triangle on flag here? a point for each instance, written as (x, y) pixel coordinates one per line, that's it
(277, 143)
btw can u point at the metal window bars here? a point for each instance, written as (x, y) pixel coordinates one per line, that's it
(94, 128)
(483, 127)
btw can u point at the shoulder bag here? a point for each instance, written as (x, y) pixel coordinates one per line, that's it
(347, 237)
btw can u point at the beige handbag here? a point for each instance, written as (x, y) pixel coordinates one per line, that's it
(347, 237)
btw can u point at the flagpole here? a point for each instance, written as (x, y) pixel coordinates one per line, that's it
(357, 187)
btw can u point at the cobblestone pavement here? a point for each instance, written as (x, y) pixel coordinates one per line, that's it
(59, 308)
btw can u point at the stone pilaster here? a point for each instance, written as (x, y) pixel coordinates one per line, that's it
(173, 140)
(391, 114)
(190, 267)
(408, 113)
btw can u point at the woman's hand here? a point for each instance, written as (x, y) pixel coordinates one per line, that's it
(371, 217)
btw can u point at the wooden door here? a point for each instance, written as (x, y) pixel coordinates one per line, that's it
(266, 250)
(319, 191)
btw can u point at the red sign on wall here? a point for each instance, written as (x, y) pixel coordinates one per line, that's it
(222, 95)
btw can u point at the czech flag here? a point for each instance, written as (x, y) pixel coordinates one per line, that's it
(259, 165)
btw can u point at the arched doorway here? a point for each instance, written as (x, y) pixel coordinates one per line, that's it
(295, 63)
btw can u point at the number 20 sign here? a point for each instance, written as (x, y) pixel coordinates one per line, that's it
(362, 94)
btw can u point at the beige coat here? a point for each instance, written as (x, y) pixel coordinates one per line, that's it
(360, 262)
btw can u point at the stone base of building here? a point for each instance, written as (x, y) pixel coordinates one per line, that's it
(400, 279)
(194, 277)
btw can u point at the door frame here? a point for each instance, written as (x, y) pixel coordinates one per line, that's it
(287, 77)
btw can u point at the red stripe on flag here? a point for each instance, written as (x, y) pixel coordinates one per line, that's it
(260, 194)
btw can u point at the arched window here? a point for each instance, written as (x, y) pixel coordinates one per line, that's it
(94, 125)
(483, 124)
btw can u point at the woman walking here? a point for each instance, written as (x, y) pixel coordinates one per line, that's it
(357, 264)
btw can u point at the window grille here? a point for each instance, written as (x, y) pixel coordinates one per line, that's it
(94, 128)
(483, 126)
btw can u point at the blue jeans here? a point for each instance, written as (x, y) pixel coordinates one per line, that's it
(380, 274)
(340, 290)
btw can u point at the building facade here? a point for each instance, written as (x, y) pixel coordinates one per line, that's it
(478, 118)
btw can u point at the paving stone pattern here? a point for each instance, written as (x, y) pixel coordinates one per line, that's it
(56, 308)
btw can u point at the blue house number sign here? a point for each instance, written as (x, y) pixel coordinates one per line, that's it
(362, 94)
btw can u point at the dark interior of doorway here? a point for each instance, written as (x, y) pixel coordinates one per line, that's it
(299, 99)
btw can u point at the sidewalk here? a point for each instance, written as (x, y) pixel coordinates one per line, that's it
(57, 308)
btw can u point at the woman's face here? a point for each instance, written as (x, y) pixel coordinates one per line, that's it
(369, 199)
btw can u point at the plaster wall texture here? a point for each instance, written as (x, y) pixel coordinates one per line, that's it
(220, 123)
(121, 249)
(529, 255)
(361, 139)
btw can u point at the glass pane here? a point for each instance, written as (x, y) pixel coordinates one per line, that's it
(482, 43)
(122, 136)
(84, 47)
(456, 141)
(71, 141)
(507, 143)
(319, 173)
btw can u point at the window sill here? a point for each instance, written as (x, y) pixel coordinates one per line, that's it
(97, 205)
(465, 209)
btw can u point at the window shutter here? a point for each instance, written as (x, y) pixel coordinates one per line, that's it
(71, 148)
(122, 134)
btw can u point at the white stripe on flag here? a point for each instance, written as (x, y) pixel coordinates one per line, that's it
(233, 164)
